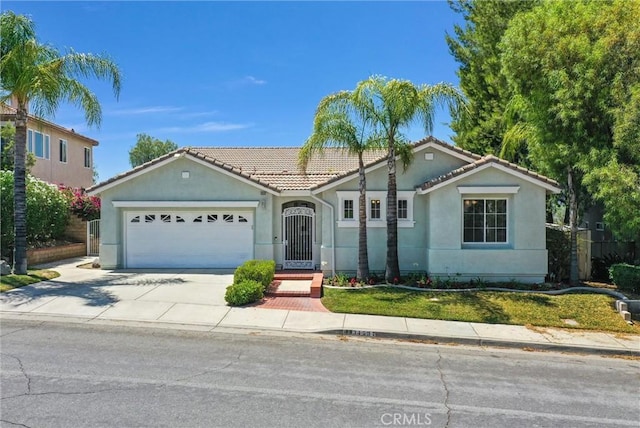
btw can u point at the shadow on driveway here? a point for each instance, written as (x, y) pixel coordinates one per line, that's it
(95, 291)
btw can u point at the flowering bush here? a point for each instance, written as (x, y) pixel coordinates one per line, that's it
(47, 211)
(82, 205)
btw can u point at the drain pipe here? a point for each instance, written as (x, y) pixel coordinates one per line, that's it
(333, 239)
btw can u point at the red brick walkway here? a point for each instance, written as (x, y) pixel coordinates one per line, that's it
(292, 303)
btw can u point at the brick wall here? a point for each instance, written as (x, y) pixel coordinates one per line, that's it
(45, 255)
(76, 229)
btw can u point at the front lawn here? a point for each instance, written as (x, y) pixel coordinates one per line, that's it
(590, 311)
(9, 282)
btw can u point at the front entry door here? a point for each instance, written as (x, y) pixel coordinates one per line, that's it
(298, 224)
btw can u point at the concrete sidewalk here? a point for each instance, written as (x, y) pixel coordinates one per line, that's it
(194, 300)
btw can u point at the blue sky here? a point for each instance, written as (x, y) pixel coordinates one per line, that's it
(239, 74)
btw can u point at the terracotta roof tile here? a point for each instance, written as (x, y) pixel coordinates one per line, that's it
(276, 168)
(8, 113)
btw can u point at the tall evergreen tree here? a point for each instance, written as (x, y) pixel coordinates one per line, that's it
(573, 67)
(480, 128)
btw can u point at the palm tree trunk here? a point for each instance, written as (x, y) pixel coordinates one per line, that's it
(392, 270)
(20, 193)
(573, 225)
(363, 253)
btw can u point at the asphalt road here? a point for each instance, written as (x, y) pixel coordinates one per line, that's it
(68, 375)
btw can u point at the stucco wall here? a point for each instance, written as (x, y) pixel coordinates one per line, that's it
(72, 173)
(412, 253)
(166, 184)
(523, 257)
(433, 243)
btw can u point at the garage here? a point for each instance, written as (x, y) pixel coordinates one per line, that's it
(216, 238)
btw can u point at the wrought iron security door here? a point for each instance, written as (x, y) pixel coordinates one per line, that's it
(298, 224)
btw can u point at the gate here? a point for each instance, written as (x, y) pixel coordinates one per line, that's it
(93, 237)
(299, 235)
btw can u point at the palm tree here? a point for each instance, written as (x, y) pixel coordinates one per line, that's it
(37, 76)
(390, 106)
(339, 122)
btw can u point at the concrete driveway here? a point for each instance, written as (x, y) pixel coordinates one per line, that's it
(177, 295)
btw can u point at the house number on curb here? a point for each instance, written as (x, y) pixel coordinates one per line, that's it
(361, 333)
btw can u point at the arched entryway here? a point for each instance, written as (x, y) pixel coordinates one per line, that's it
(298, 226)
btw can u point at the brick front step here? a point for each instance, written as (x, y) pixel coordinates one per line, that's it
(276, 293)
(315, 290)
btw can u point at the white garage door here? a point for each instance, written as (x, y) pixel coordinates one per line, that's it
(178, 239)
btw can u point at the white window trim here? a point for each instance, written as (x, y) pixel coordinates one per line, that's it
(354, 195)
(471, 244)
(477, 190)
(84, 158)
(62, 142)
(46, 144)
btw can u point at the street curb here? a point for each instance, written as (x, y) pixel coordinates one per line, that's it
(471, 341)
(412, 337)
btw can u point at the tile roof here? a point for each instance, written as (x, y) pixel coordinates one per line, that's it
(488, 159)
(8, 113)
(276, 168)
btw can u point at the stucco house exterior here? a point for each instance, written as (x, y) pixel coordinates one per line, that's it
(62, 155)
(460, 214)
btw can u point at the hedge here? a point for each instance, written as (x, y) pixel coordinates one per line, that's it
(261, 271)
(244, 292)
(625, 276)
(47, 211)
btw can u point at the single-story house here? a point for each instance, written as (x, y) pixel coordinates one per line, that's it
(459, 214)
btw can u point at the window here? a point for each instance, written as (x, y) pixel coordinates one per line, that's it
(149, 218)
(38, 144)
(242, 219)
(165, 218)
(403, 209)
(87, 157)
(485, 220)
(347, 209)
(212, 218)
(227, 218)
(63, 151)
(374, 209)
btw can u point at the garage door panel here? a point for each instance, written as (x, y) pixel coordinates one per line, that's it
(222, 239)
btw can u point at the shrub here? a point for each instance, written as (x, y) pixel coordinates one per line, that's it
(559, 249)
(600, 265)
(625, 276)
(261, 271)
(82, 205)
(47, 211)
(244, 292)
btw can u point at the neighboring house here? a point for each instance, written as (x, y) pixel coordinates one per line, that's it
(459, 214)
(62, 155)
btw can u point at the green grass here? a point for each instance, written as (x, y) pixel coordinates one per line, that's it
(591, 311)
(9, 282)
